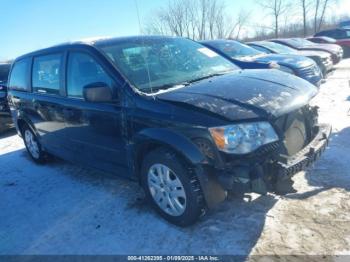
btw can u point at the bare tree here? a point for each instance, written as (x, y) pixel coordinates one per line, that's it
(196, 19)
(305, 5)
(323, 10)
(317, 6)
(275, 8)
(238, 24)
(321, 7)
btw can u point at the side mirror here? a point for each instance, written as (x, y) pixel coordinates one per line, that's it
(97, 92)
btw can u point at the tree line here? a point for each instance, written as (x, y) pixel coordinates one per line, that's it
(211, 19)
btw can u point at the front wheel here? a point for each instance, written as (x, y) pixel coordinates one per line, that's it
(171, 188)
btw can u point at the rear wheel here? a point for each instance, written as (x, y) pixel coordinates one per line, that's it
(33, 145)
(171, 188)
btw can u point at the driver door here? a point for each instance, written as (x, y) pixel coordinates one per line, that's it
(94, 131)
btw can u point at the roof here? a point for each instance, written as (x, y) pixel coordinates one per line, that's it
(108, 40)
(218, 41)
(98, 41)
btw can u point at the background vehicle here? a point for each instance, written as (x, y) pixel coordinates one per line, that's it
(344, 24)
(170, 113)
(5, 118)
(335, 51)
(293, 64)
(344, 43)
(322, 40)
(337, 33)
(323, 59)
(244, 64)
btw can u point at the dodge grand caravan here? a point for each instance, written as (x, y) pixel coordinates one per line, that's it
(169, 113)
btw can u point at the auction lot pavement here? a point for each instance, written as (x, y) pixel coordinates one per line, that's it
(60, 208)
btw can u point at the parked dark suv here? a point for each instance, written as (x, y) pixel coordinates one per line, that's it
(169, 113)
(5, 117)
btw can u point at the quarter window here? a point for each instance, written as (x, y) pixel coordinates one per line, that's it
(19, 75)
(83, 70)
(47, 74)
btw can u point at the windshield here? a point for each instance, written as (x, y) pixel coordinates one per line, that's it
(235, 49)
(158, 63)
(303, 41)
(329, 39)
(4, 71)
(293, 43)
(278, 48)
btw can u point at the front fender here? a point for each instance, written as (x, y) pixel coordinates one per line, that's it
(213, 193)
(178, 142)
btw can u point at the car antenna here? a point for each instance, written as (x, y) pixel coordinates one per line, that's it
(143, 43)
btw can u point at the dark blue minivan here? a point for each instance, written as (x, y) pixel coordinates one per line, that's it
(183, 121)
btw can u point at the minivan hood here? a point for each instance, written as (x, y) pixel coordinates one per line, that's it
(322, 54)
(326, 47)
(245, 94)
(293, 61)
(334, 47)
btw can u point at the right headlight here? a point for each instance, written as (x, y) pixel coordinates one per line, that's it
(243, 138)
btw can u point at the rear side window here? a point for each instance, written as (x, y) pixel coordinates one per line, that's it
(47, 74)
(83, 70)
(19, 75)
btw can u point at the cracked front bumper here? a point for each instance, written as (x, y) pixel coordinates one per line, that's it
(288, 166)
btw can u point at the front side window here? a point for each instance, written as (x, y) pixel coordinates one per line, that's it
(47, 74)
(84, 70)
(159, 63)
(19, 75)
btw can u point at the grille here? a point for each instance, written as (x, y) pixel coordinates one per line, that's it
(296, 131)
(307, 71)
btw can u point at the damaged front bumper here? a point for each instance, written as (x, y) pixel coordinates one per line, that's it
(290, 165)
(260, 176)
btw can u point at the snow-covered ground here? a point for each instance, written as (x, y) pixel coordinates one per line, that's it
(62, 208)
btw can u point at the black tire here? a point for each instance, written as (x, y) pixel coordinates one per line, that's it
(42, 156)
(194, 198)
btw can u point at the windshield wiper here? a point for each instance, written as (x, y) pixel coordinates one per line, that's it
(183, 84)
(208, 76)
(165, 87)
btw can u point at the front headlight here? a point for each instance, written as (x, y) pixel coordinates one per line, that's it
(243, 138)
(286, 69)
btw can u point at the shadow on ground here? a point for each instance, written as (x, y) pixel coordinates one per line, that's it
(332, 170)
(62, 208)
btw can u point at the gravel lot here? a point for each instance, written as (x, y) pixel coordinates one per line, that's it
(60, 208)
